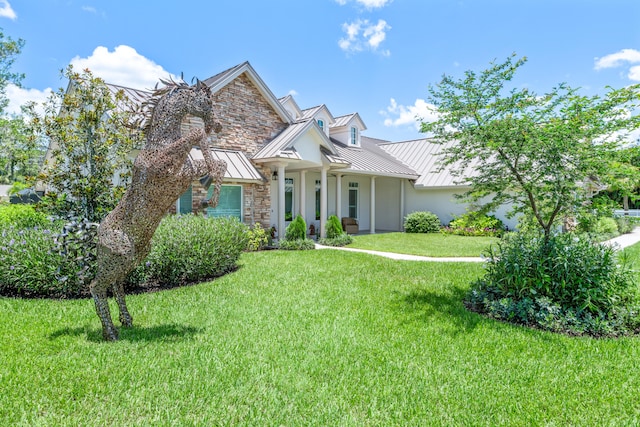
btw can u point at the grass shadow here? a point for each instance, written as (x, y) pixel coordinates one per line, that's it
(427, 306)
(166, 333)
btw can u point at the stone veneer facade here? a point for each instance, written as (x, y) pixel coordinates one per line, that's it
(248, 123)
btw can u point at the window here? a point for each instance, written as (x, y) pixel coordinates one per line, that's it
(317, 199)
(321, 123)
(185, 202)
(354, 135)
(229, 203)
(288, 199)
(353, 200)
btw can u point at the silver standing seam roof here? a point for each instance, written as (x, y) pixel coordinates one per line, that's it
(370, 159)
(423, 156)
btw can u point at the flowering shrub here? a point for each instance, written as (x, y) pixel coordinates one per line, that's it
(191, 248)
(475, 224)
(257, 238)
(31, 264)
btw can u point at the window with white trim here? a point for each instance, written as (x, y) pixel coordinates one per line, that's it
(353, 200)
(229, 202)
(317, 199)
(354, 136)
(321, 123)
(288, 199)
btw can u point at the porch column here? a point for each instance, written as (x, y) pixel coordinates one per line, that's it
(372, 228)
(323, 201)
(303, 192)
(402, 208)
(339, 195)
(281, 181)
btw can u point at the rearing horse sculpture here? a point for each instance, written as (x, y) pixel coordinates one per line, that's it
(162, 171)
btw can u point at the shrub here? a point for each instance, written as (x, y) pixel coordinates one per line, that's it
(257, 238)
(343, 240)
(421, 222)
(296, 230)
(31, 265)
(606, 226)
(475, 224)
(334, 227)
(297, 245)
(76, 245)
(625, 225)
(21, 216)
(565, 284)
(190, 248)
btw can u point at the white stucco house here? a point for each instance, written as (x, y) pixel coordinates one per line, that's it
(284, 160)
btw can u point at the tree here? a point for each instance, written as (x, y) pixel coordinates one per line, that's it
(91, 133)
(538, 153)
(9, 50)
(20, 155)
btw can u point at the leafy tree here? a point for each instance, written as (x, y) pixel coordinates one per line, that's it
(91, 134)
(9, 50)
(20, 155)
(537, 152)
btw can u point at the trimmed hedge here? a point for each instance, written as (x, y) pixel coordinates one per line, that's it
(422, 222)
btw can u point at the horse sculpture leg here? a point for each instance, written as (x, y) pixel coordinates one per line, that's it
(98, 288)
(118, 292)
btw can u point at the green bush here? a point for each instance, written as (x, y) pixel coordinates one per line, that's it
(257, 238)
(566, 284)
(422, 222)
(334, 227)
(625, 225)
(342, 240)
(475, 224)
(297, 245)
(296, 230)
(32, 265)
(606, 226)
(191, 248)
(22, 216)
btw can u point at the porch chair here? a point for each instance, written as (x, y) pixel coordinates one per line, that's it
(350, 225)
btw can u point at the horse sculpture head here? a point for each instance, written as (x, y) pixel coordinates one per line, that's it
(168, 105)
(202, 106)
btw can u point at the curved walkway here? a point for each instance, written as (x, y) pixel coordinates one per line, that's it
(620, 242)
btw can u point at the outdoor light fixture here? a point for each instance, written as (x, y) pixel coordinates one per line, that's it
(274, 175)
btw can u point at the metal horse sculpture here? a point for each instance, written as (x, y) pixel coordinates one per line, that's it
(162, 171)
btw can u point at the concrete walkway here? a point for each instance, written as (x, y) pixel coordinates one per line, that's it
(619, 242)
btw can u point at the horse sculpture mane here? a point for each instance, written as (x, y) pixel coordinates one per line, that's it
(162, 171)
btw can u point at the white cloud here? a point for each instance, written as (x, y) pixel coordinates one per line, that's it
(620, 59)
(6, 11)
(401, 115)
(19, 96)
(362, 35)
(292, 92)
(90, 9)
(369, 4)
(124, 66)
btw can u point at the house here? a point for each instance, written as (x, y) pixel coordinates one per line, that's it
(283, 161)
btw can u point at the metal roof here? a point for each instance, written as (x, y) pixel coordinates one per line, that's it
(370, 159)
(424, 156)
(344, 121)
(239, 167)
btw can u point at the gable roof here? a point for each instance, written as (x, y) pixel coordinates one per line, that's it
(370, 159)
(346, 119)
(224, 78)
(311, 113)
(423, 156)
(282, 145)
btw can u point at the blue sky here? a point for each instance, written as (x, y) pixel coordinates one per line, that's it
(374, 57)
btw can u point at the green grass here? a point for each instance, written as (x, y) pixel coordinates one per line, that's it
(428, 244)
(308, 338)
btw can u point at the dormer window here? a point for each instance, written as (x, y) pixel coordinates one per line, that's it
(321, 123)
(354, 136)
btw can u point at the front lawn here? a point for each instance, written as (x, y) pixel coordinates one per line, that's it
(308, 338)
(424, 244)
